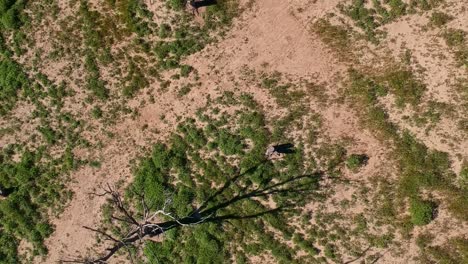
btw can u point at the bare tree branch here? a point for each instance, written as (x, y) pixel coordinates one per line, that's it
(102, 233)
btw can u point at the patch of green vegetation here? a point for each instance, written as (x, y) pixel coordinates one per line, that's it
(363, 17)
(439, 19)
(188, 38)
(305, 245)
(370, 17)
(93, 42)
(455, 250)
(400, 82)
(425, 4)
(405, 86)
(221, 14)
(34, 189)
(135, 80)
(165, 31)
(433, 114)
(96, 112)
(11, 13)
(422, 212)
(464, 175)
(135, 15)
(455, 37)
(176, 4)
(287, 95)
(456, 40)
(185, 70)
(334, 36)
(170, 53)
(12, 81)
(364, 92)
(32, 176)
(356, 161)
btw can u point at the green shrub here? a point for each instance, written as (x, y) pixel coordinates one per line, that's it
(397, 8)
(185, 70)
(93, 81)
(355, 161)
(11, 13)
(439, 19)
(454, 37)
(456, 40)
(405, 86)
(12, 80)
(135, 80)
(422, 212)
(164, 31)
(425, 4)
(49, 134)
(330, 251)
(464, 176)
(96, 112)
(134, 14)
(184, 90)
(363, 17)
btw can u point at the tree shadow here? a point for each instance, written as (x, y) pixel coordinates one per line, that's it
(5, 192)
(201, 3)
(287, 148)
(206, 213)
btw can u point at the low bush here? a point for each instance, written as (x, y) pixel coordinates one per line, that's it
(12, 81)
(11, 13)
(439, 19)
(422, 212)
(355, 161)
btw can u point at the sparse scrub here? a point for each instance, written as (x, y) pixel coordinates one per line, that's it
(456, 40)
(420, 168)
(405, 86)
(370, 17)
(464, 176)
(335, 36)
(439, 19)
(93, 42)
(134, 81)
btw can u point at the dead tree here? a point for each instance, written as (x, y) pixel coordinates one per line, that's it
(139, 229)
